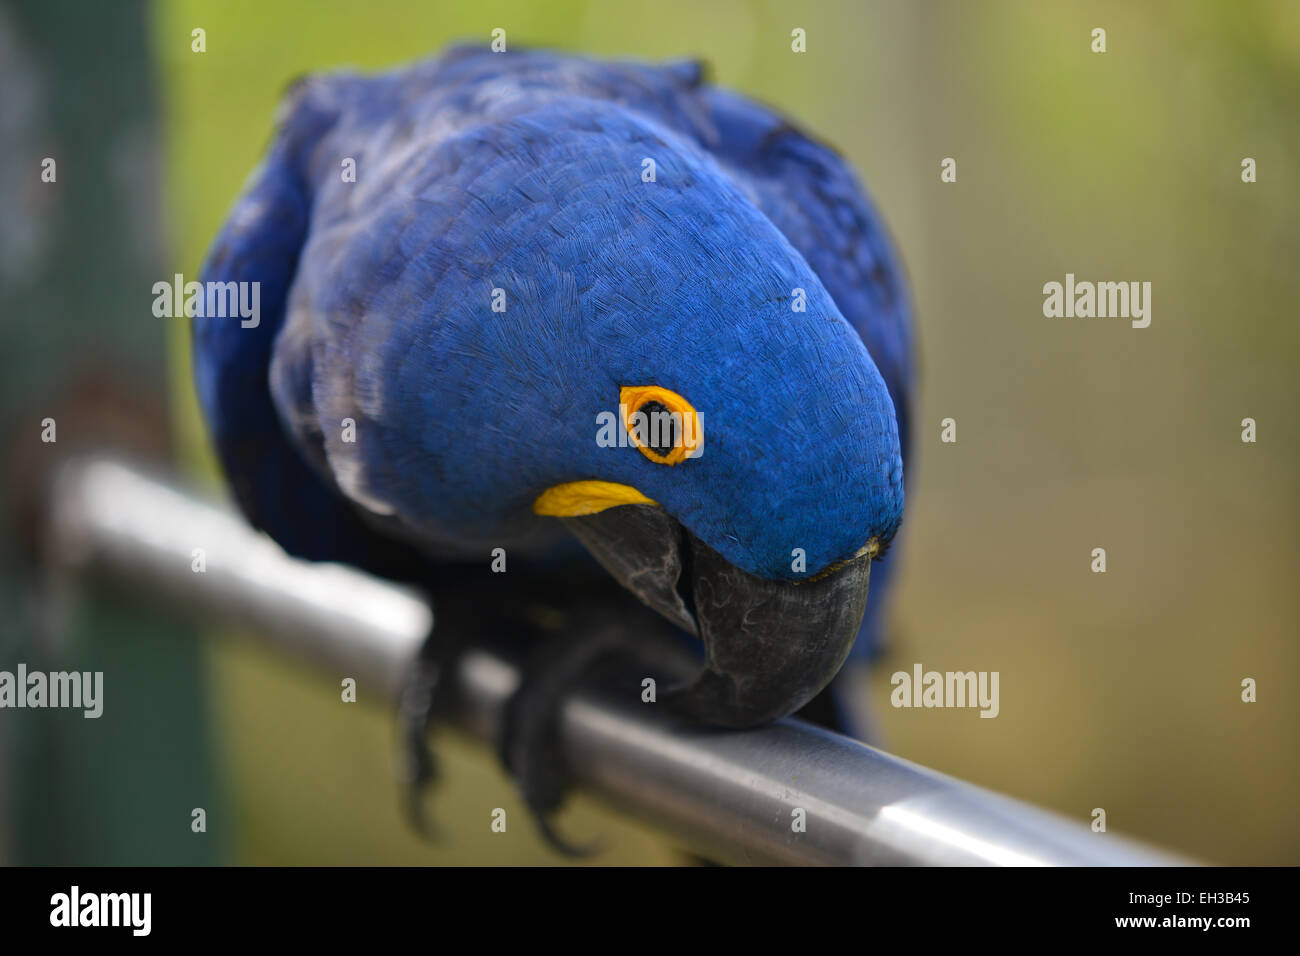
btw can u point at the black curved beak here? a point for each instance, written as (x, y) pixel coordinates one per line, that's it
(770, 646)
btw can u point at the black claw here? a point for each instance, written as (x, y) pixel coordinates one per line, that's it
(425, 699)
(595, 649)
(530, 745)
(612, 641)
(420, 765)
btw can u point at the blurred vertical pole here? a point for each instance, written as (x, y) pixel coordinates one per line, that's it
(78, 258)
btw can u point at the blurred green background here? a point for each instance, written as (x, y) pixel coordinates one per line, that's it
(1118, 690)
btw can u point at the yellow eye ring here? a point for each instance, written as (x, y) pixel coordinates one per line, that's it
(651, 413)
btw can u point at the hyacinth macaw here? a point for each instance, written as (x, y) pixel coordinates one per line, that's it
(531, 246)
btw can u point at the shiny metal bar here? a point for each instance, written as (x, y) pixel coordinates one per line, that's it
(735, 796)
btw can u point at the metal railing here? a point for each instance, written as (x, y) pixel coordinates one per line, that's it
(726, 794)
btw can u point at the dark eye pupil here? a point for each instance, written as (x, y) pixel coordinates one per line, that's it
(661, 428)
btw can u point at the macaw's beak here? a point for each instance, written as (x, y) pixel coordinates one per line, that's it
(770, 646)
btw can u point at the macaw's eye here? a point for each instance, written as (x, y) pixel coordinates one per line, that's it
(662, 424)
(662, 434)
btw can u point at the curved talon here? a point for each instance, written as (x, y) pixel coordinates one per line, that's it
(530, 745)
(420, 764)
(424, 699)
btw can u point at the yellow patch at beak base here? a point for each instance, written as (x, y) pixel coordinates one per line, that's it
(586, 498)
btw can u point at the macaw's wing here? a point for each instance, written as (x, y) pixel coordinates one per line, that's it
(274, 472)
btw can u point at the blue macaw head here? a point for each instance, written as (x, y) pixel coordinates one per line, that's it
(701, 417)
(760, 472)
(746, 472)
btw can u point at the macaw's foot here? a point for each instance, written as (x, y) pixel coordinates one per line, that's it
(428, 696)
(530, 746)
(607, 651)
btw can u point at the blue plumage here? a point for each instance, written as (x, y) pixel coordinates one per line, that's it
(524, 172)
